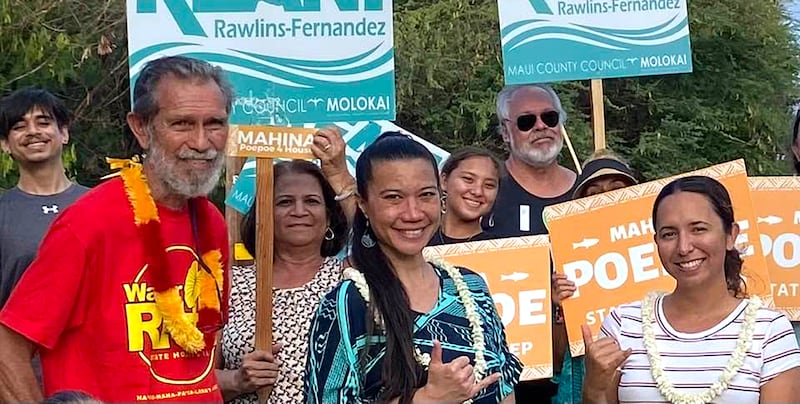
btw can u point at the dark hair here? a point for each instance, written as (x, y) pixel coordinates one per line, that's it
(69, 397)
(720, 200)
(15, 105)
(336, 217)
(795, 159)
(400, 373)
(145, 103)
(468, 152)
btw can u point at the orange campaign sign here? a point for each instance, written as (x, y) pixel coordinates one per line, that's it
(270, 142)
(517, 271)
(604, 243)
(777, 203)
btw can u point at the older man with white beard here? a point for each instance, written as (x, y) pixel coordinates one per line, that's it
(129, 288)
(530, 119)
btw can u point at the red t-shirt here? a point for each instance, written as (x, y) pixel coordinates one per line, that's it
(86, 302)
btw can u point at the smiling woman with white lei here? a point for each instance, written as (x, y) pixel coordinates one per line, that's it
(404, 328)
(707, 341)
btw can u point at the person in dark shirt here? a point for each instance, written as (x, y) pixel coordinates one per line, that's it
(794, 147)
(34, 128)
(604, 171)
(794, 151)
(470, 178)
(530, 120)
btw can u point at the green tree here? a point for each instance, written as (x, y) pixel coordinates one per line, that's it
(449, 70)
(77, 49)
(733, 105)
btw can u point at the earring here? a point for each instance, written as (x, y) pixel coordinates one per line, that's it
(491, 220)
(444, 202)
(366, 239)
(329, 234)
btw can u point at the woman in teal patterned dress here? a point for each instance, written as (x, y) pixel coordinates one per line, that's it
(402, 329)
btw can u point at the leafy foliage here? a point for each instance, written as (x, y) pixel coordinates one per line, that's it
(449, 70)
(734, 105)
(76, 49)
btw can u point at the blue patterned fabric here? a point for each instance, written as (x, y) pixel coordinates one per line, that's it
(796, 327)
(570, 380)
(338, 339)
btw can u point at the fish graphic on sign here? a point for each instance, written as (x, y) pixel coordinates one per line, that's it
(770, 220)
(516, 276)
(585, 243)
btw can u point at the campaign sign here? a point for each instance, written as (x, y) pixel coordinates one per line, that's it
(270, 142)
(604, 243)
(777, 203)
(517, 272)
(557, 40)
(290, 61)
(357, 136)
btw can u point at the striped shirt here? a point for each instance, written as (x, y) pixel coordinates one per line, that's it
(692, 362)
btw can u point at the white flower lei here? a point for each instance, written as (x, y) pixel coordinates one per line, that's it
(464, 296)
(736, 361)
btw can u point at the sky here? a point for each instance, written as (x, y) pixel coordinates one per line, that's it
(794, 8)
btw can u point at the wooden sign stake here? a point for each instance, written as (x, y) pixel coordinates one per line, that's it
(266, 143)
(571, 150)
(598, 115)
(264, 231)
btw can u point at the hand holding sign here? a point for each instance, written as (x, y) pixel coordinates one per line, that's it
(329, 148)
(452, 382)
(603, 360)
(563, 288)
(259, 369)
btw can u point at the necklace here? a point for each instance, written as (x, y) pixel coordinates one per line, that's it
(200, 294)
(464, 297)
(445, 239)
(735, 362)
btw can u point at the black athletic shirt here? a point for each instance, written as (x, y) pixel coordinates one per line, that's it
(439, 238)
(517, 212)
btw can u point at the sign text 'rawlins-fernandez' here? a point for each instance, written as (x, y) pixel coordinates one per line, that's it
(290, 61)
(557, 40)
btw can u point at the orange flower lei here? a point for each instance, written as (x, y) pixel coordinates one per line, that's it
(203, 297)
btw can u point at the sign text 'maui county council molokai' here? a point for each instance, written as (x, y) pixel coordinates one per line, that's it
(556, 40)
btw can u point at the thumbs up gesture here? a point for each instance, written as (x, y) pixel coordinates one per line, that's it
(603, 360)
(452, 382)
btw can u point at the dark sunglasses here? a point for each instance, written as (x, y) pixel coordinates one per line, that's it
(528, 121)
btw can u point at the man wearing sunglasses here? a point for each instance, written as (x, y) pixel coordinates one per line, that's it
(128, 291)
(530, 119)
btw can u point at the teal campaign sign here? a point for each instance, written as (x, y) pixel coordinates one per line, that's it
(290, 61)
(557, 40)
(357, 136)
